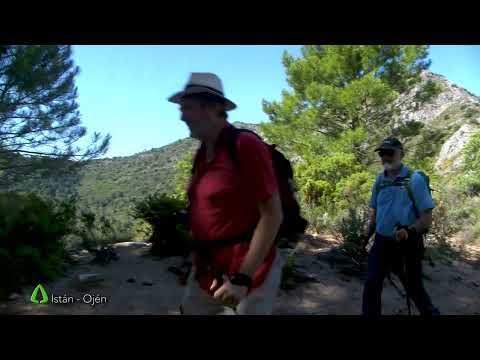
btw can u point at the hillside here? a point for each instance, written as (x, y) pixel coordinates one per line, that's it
(108, 186)
(455, 112)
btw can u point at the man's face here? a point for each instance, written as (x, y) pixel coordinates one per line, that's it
(196, 115)
(391, 158)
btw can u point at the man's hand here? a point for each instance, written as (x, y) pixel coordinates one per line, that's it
(364, 243)
(401, 235)
(229, 294)
(370, 230)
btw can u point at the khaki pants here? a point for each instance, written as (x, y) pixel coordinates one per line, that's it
(259, 302)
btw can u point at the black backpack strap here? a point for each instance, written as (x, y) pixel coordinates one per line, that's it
(232, 136)
(195, 158)
(408, 187)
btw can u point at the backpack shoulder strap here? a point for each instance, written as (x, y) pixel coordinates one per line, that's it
(379, 185)
(232, 136)
(408, 186)
(195, 159)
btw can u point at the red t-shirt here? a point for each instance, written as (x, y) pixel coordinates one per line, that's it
(224, 203)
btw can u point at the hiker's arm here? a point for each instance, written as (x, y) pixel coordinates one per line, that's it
(271, 217)
(258, 176)
(372, 222)
(423, 222)
(424, 204)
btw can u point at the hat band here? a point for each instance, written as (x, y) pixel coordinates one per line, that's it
(206, 87)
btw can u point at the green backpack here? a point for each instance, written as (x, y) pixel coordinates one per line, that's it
(405, 182)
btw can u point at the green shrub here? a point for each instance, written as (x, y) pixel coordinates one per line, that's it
(471, 112)
(476, 233)
(471, 151)
(354, 190)
(92, 231)
(471, 234)
(170, 235)
(454, 214)
(31, 233)
(350, 229)
(319, 219)
(288, 273)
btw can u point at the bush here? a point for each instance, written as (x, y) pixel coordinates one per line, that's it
(288, 273)
(170, 235)
(475, 233)
(444, 225)
(96, 231)
(350, 228)
(471, 112)
(471, 234)
(472, 186)
(319, 219)
(455, 212)
(31, 233)
(354, 190)
(471, 161)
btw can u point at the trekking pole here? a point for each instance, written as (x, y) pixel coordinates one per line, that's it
(407, 286)
(403, 269)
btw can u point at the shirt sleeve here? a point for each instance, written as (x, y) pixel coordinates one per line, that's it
(373, 199)
(256, 166)
(421, 194)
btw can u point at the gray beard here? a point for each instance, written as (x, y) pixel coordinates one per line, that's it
(391, 167)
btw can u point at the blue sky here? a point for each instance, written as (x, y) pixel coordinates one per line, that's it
(123, 89)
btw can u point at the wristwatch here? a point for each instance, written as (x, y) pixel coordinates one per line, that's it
(412, 230)
(240, 279)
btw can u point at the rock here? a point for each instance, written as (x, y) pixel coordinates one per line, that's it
(452, 148)
(458, 278)
(426, 277)
(175, 270)
(104, 255)
(14, 296)
(89, 278)
(450, 95)
(72, 258)
(132, 245)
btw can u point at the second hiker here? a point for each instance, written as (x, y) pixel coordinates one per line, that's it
(401, 214)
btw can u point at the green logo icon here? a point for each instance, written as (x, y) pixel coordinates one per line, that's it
(34, 298)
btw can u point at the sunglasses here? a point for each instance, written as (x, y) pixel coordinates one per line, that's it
(386, 152)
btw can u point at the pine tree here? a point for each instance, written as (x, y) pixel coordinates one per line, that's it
(39, 117)
(343, 100)
(337, 88)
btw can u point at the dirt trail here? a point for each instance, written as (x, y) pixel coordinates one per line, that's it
(455, 288)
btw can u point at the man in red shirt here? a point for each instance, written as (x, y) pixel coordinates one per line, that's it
(234, 211)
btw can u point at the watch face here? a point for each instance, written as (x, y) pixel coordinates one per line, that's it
(241, 280)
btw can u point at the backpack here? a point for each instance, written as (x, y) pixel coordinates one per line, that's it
(405, 182)
(293, 223)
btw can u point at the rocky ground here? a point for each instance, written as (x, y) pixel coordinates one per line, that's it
(140, 284)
